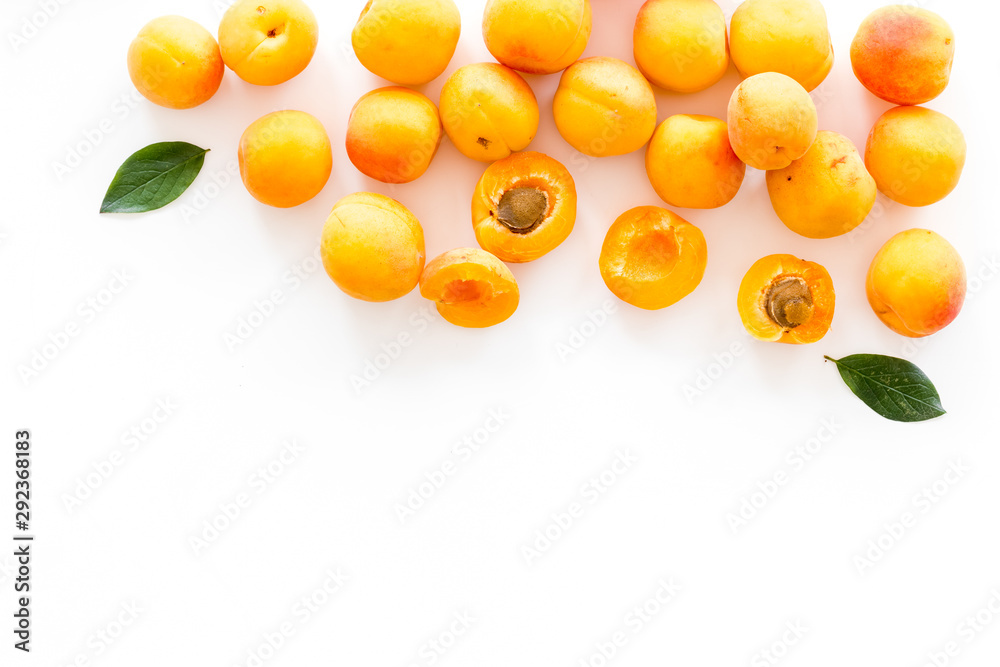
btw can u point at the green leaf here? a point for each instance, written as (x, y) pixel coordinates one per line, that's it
(153, 176)
(892, 387)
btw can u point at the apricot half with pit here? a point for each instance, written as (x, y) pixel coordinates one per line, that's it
(785, 299)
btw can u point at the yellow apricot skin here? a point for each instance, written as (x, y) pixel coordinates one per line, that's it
(470, 287)
(267, 42)
(826, 192)
(408, 42)
(690, 162)
(175, 63)
(903, 54)
(785, 299)
(537, 36)
(285, 158)
(652, 258)
(680, 45)
(772, 121)
(604, 107)
(372, 247)
(529, 170)
(916, 283)
(489, 111)
(393, 134)
(787, 36)
(916, 155)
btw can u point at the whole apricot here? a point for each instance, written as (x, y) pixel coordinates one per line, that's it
(916, 155)
(903, 54)
(393, 134)
(604, 107)
(267, 42)
(652, 258)
(174, 62)
(285, 158)
(470, 287)
(916, 283)
(691, 164)
(407, 41)
(489, 111)
(772, 121)
(826, 192)
(537, 37)
(786, 300)
(524, 206)
(680, 45)
(372, 247)
(787, 36)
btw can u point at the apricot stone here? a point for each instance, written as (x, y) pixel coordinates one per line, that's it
(393, 134)
(604, 107)
(408, 42)
(690, 162)
(916, 283)
(680, 45)
(903, 54)
(537, 36)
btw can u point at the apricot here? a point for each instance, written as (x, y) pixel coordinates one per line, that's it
(524, 206)
(690, 162)
(267, 42)
(175, 63)
(393, 134)
(826, 192)
(407, 41)
(772, 121)
(787, 36)
(652, 257)
(489, 111)
(285, 158)
(903, 54)
(372, 247)
(470, 287)
(916, 155)
(916, 283)
(786, 300)
(537, 37)
(604, 107)
(680, 45)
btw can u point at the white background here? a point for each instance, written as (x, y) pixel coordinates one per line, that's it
(196, 268)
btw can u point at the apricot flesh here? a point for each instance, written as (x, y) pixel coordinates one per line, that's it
(903, 54)
(826, 192)
(267, 42)
(652, 258)
(372, 247)
(524, 206)
(409, 42)
(393, 134)
(489, 111)
(787, 36)
(916, 283)
(285, 158)
(772, 121)
(916, 155)
(470, 287)
(690, 162)
(604, 107)
(537, 37)
(680, 45)
(175, 63)
(786, 300)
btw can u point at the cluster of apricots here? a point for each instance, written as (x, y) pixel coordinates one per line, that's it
(525, 203)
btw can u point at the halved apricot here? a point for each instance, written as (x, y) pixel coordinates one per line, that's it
(652, 257)
(524, 206)
(785, 299)
(471, 287)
